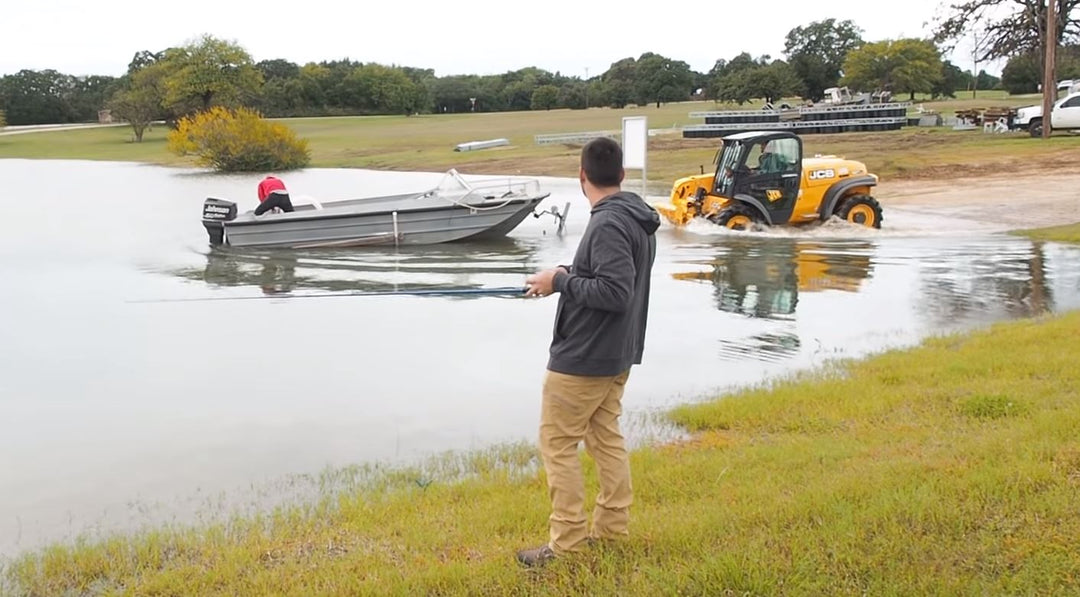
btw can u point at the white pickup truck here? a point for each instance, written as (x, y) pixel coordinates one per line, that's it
(1064, 116)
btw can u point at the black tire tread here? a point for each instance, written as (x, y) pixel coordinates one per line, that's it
(853, 200)
(722, 217)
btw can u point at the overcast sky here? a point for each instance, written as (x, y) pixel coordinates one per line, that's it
(477, 37)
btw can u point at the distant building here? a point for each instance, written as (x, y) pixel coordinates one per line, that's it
(104, 117)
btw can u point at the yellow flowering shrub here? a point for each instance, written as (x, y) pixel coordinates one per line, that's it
(238, 141)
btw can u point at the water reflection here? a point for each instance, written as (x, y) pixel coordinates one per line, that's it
(763, 279)
(984, 281)
(767, 347)
(286, 271)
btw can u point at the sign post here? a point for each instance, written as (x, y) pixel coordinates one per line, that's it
(635, 144)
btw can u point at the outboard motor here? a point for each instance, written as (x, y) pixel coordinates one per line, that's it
(215, 213)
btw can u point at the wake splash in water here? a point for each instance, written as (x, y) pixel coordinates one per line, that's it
(897, 223)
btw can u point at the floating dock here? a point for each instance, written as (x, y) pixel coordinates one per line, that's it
(843, 118)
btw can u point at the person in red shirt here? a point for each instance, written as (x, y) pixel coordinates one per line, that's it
(273, 194)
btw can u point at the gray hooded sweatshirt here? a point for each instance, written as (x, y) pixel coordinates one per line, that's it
(604, 300)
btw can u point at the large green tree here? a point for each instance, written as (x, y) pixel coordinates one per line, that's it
(139, 102)
(138, 106)
(454, 93)
(139, 96)
(952, 79)
(1023, 73)
(38, 97)
(660, 79)
(314, 80)
(284, 97)
(709, 79)
(391, 91)
(777, 80)
(545, 97)
(143, 58)
(574, 95)
(732, 81)
(900, 66)
(490, 93)
(619, 82)
(745, 78)
(89, 95)
(987, 81)
(209, 72)
(278, 68)
(817, 52)
(342, 87)
(518, 94)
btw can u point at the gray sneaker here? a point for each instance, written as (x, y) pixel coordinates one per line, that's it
(537, 556)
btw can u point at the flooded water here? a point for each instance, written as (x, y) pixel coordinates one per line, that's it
(116, 410)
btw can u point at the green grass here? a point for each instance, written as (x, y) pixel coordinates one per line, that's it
(1069, 233)
(948, 469)
(426, 143)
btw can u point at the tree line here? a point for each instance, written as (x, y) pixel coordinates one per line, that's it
(178, 81)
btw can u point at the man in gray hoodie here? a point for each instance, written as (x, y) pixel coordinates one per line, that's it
(599, 334)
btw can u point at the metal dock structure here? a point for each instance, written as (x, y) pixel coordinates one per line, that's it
(803, 120)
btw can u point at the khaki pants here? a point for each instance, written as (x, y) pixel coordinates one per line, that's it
(579, 408)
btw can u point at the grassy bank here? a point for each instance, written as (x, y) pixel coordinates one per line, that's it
(426, 143)
(1069, 233)
(952, 468)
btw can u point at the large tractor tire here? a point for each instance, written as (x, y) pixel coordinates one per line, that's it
(737, 217)
(861, 209)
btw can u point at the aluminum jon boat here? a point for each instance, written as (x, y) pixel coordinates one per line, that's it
(447, 213)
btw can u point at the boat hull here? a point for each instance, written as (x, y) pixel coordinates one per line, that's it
(420, 219)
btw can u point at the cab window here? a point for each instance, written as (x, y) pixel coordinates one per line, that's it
(777, 156)
(753, 157)
(788, 149)
(1073, 103)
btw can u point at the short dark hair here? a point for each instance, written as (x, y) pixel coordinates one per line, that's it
(602, 160)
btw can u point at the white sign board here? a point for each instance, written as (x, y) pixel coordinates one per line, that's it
(635, 139)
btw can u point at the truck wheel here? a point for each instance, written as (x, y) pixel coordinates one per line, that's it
(861, 209)
(736, 217)
(1035, 128)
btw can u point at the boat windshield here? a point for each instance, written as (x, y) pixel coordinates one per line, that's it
(725, 172)
(454, 188)
(453, 184)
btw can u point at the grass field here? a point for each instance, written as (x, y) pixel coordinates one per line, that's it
(949, 469)
(1069, 233)
(426, 143)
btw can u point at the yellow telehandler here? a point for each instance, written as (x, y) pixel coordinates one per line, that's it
(761, 179)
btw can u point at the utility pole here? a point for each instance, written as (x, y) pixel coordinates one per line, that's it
(975, 84)
(976, 48)
(586, 88)
(1049, 79)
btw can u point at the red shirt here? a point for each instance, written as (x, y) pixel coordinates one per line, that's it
(269, 185)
